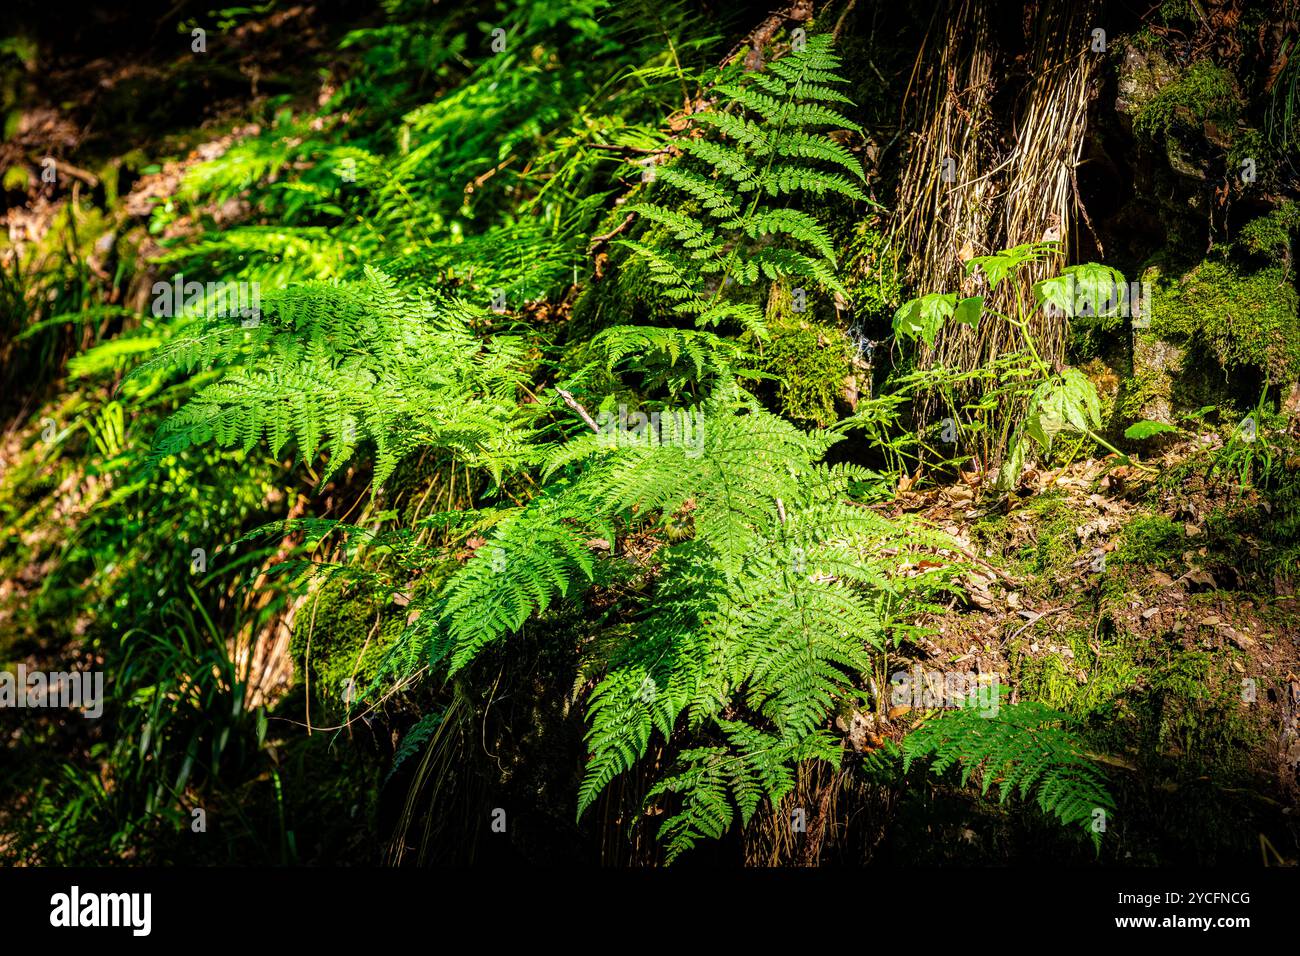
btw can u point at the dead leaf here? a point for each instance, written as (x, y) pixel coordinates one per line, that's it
(1234, 635)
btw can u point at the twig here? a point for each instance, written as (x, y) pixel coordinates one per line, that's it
(573, 403)
(1083, 210)
(1038, 616)
(614, 148)
(478, 181)
(602, 239)
(63, 166)
(839, 25)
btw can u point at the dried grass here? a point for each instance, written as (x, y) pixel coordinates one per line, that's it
(995, 196)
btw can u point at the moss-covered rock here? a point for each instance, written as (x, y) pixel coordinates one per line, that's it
(1143, 72)
(1148, 393)
(339, 639)
(1243, 317)
(1272, 235)
(1202, 96)
(811, 361)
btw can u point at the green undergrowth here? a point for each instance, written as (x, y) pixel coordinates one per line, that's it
(484, 263)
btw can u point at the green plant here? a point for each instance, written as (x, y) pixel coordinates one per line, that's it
(1282, 120)
(764, 139)
(1057, 399)
(1203, 92)
(1147, 429)
(758, 624)
(1024, 751)
(184, 718)
(338, 364)
(715, 592)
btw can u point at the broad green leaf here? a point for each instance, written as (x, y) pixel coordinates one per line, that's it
(1068, 400)
(1089, 289)
(968, 311)
(1146, 429)
(924, 317)
(998, 266)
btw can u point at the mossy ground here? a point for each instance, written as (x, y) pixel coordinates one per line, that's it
(1130, 607)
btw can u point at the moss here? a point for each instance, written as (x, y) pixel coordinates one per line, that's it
(1082, 675)
(1244, 318)
(875, 286)
(1250, 144)
(1272, 234)
(1196, 714)
(1152, 541)
(339, 636)
(1056, 543)
(809, 360)
(1053, 546)
(1203, 93)
(1147, 394)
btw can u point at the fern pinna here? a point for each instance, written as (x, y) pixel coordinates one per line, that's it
(758, 146)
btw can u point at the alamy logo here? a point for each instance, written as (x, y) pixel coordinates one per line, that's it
(1071, 297)
(242, 300)
(83, 689)
(927, 690)
(639, 430)
(75, 909)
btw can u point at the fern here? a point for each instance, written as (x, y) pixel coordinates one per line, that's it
(757, 617)
(722, 783)
(707, 353)
(760, 622)
(533, 557)
(1022, 750)
(729, 231)
(333, 365)
(413, 740)
(771, 608)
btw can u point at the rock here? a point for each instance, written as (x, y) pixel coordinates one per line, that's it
(1155, 363)
(1184, 162)
(859, 728)
(1141, 76)
(1201, 579)
(1234, 635)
